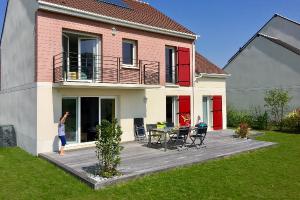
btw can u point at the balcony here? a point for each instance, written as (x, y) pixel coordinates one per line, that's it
(71, 69)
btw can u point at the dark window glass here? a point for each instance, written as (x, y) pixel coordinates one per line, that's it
(108, 109)
(128, 53)
(70, 105)
(169, 110)
(89, 118)
(169, 65)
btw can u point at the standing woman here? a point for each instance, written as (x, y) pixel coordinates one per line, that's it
(62, 133)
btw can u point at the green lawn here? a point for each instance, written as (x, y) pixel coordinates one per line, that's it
(272, 173)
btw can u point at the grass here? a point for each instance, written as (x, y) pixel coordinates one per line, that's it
(272, 173)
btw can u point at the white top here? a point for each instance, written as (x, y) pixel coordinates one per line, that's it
(61, 130)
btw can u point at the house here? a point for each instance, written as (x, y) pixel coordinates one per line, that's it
(270, 59)
(100, 59)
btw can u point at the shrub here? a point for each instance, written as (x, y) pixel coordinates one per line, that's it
(243, 130)
(108, 148)
(235, 118)
(292, 121)
(260, 119)
(277, 103)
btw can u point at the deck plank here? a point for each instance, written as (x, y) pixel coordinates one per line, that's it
(138, 159)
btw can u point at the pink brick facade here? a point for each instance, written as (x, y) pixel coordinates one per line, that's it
(151, 46)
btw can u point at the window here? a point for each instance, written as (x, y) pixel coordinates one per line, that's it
(170, 65)
(129, 52)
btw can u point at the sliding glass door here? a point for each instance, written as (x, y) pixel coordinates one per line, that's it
(108, 109)
(85, 114)
(89, 118)
(70, 105)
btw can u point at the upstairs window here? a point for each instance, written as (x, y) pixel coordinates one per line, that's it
(170, 65)
(129, 53)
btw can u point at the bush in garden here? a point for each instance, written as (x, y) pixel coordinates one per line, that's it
(108, 148)
(243, 130)
(235, 117)
(277, 103)
(260, 118)
(292, 121)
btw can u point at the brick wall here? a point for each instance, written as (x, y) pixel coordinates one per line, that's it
(151, 46)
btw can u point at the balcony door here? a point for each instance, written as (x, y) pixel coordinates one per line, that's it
(87, 59)
(81, 57)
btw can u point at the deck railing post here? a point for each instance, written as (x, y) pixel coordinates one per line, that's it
(140, 72)
(53, 61)
(144, 76)
(158, 78)
(119, 69)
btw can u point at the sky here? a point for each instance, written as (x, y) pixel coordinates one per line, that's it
(223, 25)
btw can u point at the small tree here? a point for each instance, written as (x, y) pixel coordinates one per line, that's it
(108, 148)
(277, 102)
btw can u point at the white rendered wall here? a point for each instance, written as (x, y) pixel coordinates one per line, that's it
(18, 87)
(210, 87)
(18, 108)
(130, 105)
(18, 44)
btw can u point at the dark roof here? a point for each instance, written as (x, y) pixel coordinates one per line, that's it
(203, 65)
(281, 43)
(139, 12)
(257, 34)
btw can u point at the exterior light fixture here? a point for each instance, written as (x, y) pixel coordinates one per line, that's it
(114, 31)
(145, 99)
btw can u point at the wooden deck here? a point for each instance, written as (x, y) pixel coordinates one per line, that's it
(139, 160)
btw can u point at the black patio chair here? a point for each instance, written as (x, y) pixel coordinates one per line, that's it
(140, 132)
(200, 134)
(154, 134)
(181, 136)
(169, 124)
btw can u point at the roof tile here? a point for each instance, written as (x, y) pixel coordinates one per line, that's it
(139, 12)
(205, 66)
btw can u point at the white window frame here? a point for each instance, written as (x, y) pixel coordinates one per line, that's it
(79, 56)
(98, 52)
(66, 76)
(134, 53)
(78, 120)
(209, 109)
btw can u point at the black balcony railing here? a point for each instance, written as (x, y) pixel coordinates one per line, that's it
(74, 67)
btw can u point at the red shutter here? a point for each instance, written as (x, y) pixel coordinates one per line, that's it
(184, 110)
(184, 65)
(217, 113)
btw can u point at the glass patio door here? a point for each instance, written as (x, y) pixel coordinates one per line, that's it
(87, 48)
(107, 109)
(70, 105)
(85, 114)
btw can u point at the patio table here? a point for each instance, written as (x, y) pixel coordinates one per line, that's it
(164, 131)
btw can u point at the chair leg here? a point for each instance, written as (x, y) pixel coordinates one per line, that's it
(193, 141)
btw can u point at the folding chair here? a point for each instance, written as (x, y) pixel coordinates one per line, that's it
(140, 133)
(201, 131)
(149, 127)
(181, 136)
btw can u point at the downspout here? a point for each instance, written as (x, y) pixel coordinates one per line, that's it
(193, 80)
